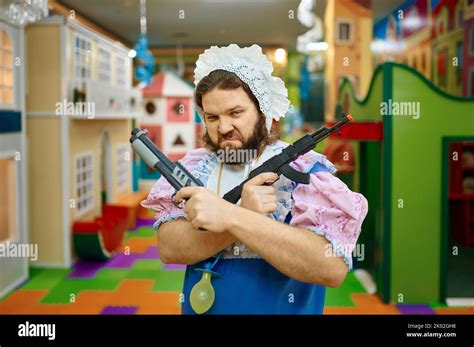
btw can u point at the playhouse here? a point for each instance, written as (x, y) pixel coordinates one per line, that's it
(13, 196)
(419, 199)
(434, 40)
(78, 129)
(348, 32)
(404, 175)
(169, 116)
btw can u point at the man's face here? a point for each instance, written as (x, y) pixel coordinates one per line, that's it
(231, 117)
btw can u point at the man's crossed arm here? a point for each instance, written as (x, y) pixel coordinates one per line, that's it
(296, 252)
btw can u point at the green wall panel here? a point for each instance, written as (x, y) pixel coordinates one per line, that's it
(416, 178)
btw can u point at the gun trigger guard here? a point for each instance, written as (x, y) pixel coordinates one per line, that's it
(179, 204)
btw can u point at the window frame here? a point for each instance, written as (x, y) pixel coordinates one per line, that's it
(471, 41)
(351, 32)
(89, 181)
(442, 79)
(76, 64)
(122, 168)
(5, 31)
(101, 61)
(14, 236)
(470, 86)
(122, 67)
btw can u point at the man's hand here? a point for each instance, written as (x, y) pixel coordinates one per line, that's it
(205, 209)
(258, 197)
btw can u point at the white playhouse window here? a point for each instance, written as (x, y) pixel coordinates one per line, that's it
(104, 65)
(8, 199)
(84, 183)
(82, 57)
(6, 69)
(123, 164)
(122, 71)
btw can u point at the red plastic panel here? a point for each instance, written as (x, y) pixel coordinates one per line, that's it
(178, 110)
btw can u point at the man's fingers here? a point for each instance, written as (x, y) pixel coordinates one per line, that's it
(261, 179)
(191, 214)
(187, 207)
(269, 207)
(185, 193)
(265, 190)
(269, 199)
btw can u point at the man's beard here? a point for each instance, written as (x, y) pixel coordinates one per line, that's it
(236, 156)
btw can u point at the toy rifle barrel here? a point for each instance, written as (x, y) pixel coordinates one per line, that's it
(308, 142)
(324, 132)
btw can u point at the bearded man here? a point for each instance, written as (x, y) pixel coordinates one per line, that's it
(283, 243)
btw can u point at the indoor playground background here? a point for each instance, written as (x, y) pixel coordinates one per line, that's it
(78, 76)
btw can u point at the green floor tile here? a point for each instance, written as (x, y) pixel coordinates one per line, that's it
(342, 296)
(437, 304)
(61, 293)
(34, 271)
(141, 232)
(112, 274)
(148, 264)
(142, 274)
(168, 281)
(44, 279)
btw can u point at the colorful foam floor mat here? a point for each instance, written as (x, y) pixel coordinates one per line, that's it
(135, 281)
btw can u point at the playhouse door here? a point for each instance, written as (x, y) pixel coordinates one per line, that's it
(14, 251)
(459, 230)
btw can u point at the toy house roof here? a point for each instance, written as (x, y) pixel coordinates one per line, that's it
(167, 84)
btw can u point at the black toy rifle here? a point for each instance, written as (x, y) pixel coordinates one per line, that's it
(280, 163)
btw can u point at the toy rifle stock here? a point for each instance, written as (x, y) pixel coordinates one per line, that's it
(280, 163)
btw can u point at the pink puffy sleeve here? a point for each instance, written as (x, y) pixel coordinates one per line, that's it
(327, 207)
(160, 197)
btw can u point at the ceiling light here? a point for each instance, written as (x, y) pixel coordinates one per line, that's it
(280, 56)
